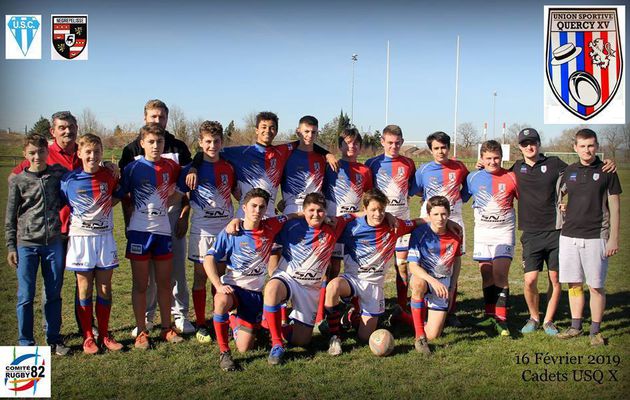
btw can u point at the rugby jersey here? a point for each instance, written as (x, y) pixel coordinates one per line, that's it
(303, 174)
(434, 252)
(394, 177)
(343, 190)
(448, 180)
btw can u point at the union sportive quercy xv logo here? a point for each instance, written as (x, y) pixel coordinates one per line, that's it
(584, 64)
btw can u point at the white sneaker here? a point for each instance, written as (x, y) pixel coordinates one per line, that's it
(134, 332)
(183, 326)
(334, 346)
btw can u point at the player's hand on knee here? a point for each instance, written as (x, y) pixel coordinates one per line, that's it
(233, 227)
(225, 289)
(12, 259)
(440, 290)
(191, 178)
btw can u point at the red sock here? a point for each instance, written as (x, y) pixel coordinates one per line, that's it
(417, 308)
(320, 306)
(221, 325)
(503, 303)
(199, 303)
(401, 292)
(333, 316)
(85, 317)
(406, 318)
(284, 316)
(273, 317)
(234, 322)
(103, 310)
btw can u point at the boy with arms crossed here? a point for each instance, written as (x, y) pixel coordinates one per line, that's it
(92, 253)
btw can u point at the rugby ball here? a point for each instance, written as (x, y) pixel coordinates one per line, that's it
(584, 88)
(381, 342)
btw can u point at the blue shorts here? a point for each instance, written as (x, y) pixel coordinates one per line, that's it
(144, 246)
(249, 305)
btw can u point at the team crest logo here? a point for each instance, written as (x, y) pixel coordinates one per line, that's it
(316, 166)
(501, 187)
(451, 176)
(22, 40)
(573, 177)
(401, 171)
(543, 169)
(596, 176)
(449, 250)
(224, 179)
(69, 37)
(583, 61)
(524, 169)
(359, 178)
(273, 163)
(103, 187)
(165, 176)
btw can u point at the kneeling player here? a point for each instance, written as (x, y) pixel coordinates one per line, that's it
(247, 255)
(91, 246)
(432, 254)
(307, 246)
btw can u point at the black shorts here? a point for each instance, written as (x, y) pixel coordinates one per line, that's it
(538, 248)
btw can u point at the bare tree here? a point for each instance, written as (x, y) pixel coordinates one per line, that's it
(467, 135)
(89, 124)
(566, 139)
(613, 138)
(177, 123)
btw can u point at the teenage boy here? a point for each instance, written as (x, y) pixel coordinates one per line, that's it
(92, 253)
(393, 174)
(493, 190)
(369, 243)
(307, 244)
(211, 211)
(240, 287)
(33, 236)
(155, 111)
(589, 235)
(444, 177)
(433, 253)
(151, 181)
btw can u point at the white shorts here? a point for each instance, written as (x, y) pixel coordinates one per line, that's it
(371, 295)
(198, 247)
(85, 253)
(583, 258)
(304, 298)
(338, 251)
(433, 301)
(402, 243)
(489, 252)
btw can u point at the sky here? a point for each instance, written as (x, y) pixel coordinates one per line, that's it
(222, 60)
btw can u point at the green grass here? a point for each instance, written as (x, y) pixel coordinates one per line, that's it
(467, 363)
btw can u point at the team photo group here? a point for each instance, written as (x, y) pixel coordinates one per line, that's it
(288, 238)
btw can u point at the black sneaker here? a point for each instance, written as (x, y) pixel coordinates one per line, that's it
(226, 363)
(59, 349)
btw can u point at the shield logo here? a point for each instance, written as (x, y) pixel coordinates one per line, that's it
(69, 36)
(316, 166)
(401, 171)
(358, 178)
(103, 187)
(451, 176)
(224, 179)
(595, 176)
(583, 60)
(165, 176)
(501, 187)
(543, 169)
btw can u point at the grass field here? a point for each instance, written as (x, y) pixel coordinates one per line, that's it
(467, 362)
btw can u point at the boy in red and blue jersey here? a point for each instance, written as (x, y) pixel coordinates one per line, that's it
(304, 170)
(92, 253)
(394, 174)
(433, 251)
(493, 190)
(444, 177)
(247, 256)
(151, 181)
(307, 245)
(212, 209)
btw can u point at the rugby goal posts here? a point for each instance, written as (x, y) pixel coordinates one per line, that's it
(569, 157)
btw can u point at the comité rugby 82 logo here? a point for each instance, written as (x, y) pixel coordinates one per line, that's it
(25, 371)
(69, 37)
(584, 61)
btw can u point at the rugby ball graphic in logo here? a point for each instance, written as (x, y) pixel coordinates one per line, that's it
(584, 88)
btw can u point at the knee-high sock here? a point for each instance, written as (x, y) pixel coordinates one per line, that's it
(333, 316)
(401, 289)
(273, 317)
(502, 303)
(85, 317)
(417, 308)
(221, 325)
(103, 310)
(489, 299)
(320, 306)
(199, 303)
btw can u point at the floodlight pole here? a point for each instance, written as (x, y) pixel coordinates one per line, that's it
(494, 107)
(355, 57)
(456, 91)
(387, 88)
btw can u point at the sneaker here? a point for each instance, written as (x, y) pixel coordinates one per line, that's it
(502, 329)
(569, 333)
(530, 326)
(142, 341)
(422, 346)
(203, 336)
(275, 355)
(59, 349)
(453, 320)
(225, 361)
(171, 336)
(148, 324)
(597, 339)
(334, 346)
(183, 326)
(89, 346)
(550, 328)
(110, 343)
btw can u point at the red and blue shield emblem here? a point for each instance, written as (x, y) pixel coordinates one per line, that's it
(583, 60)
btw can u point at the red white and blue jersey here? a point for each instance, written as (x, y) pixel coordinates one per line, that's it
(210, 201)
(448, 180)
(258, 166)
(247, 253)
(436, 253)
(493, 207)
(150, 184)
(394, 177)
(344, 189)
(90, 199)
(306, 251)
(303, 174)
(367, 249)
